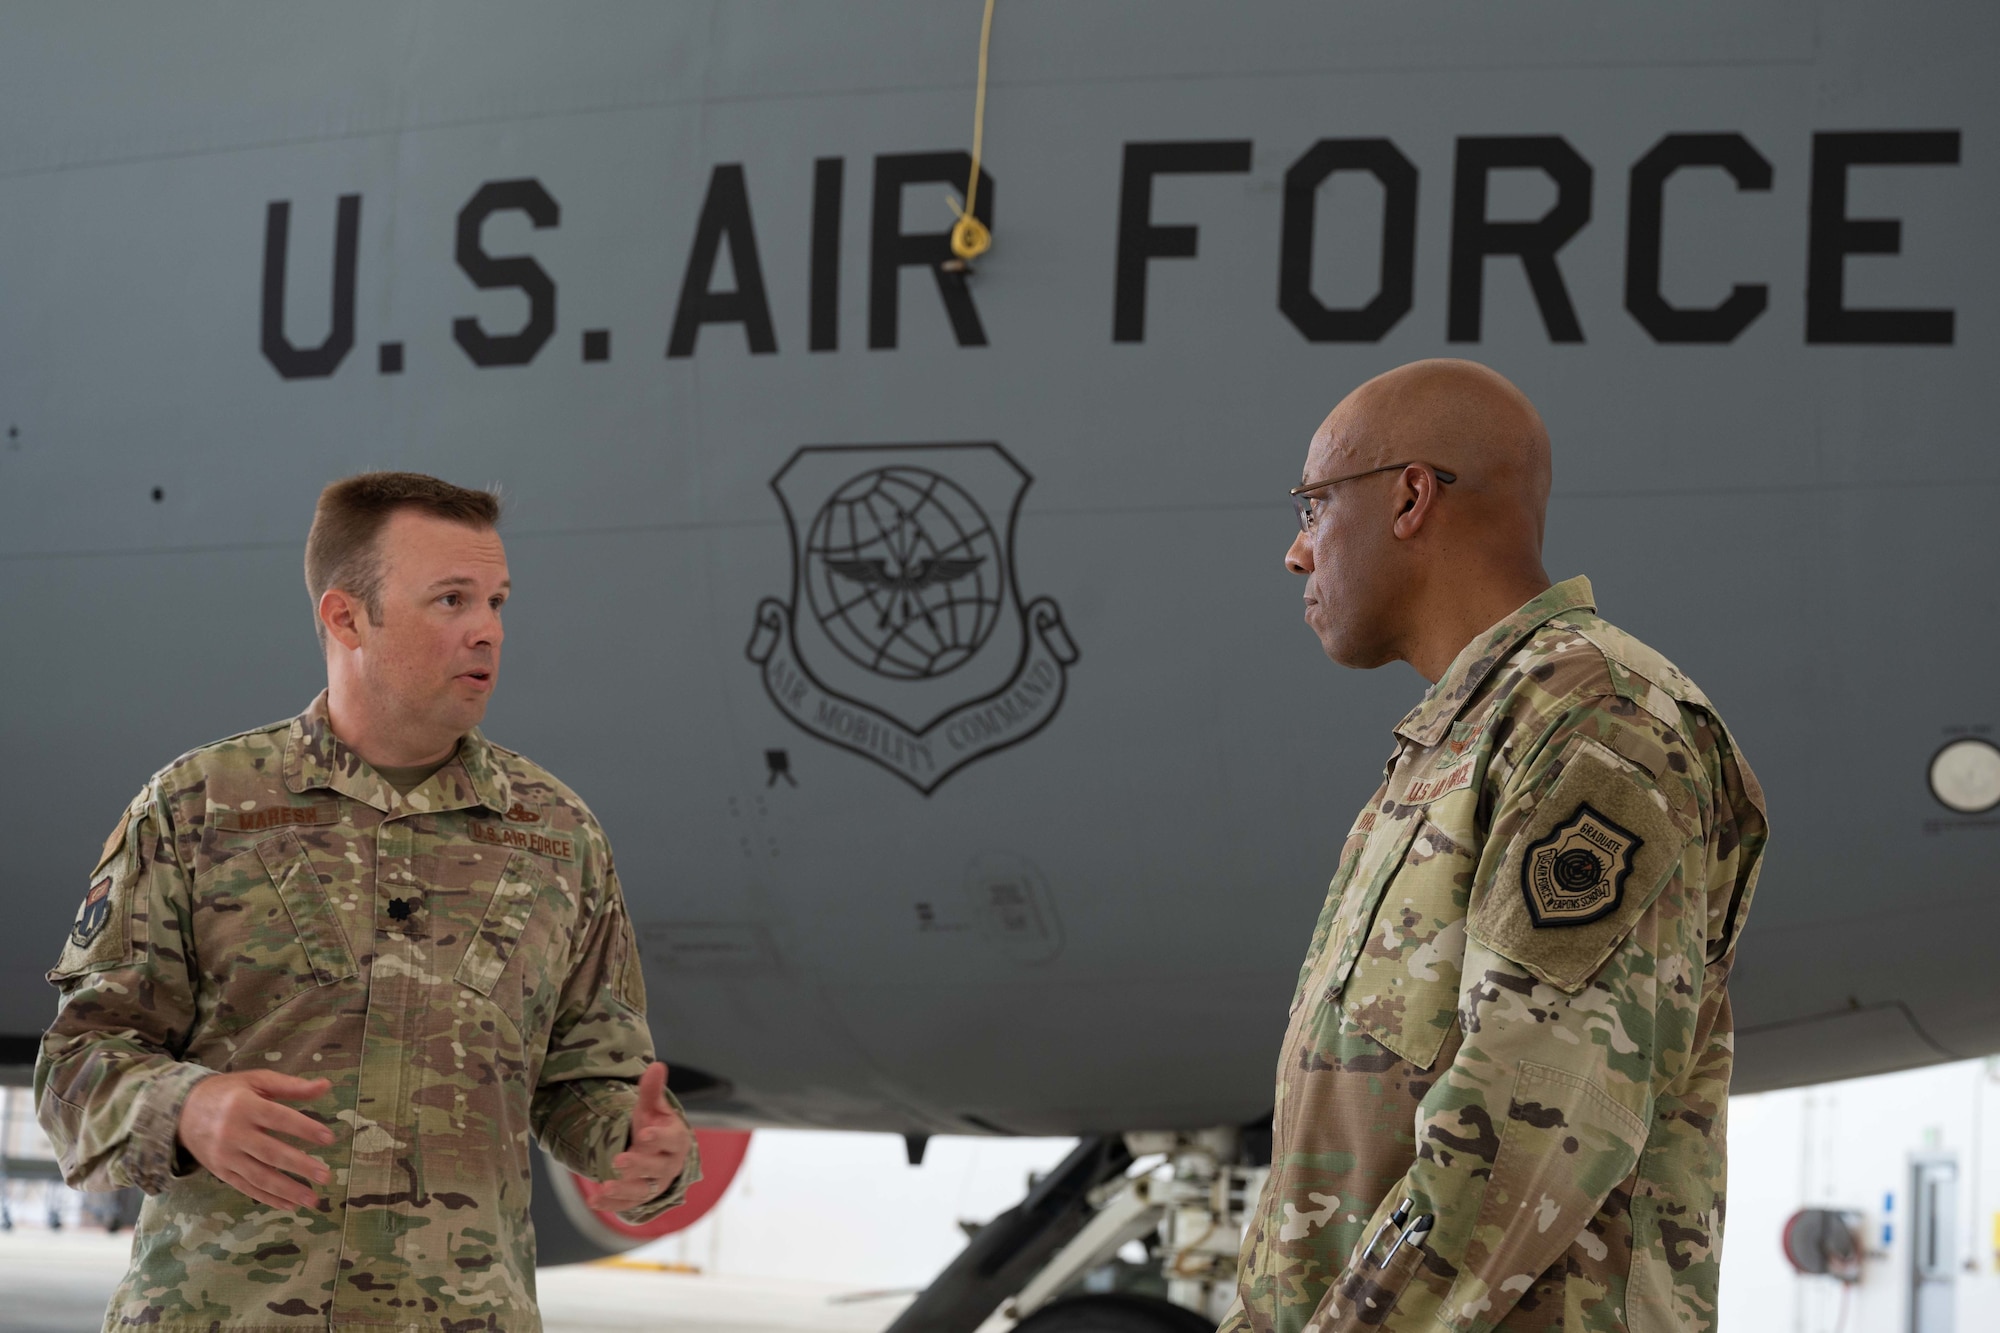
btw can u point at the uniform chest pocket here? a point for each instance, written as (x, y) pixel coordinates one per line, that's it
(265, 929)
(304, 894)
(528, 913)
(1358, 903)
(1402, 986)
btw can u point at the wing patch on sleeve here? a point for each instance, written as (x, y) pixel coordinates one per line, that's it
(99, 936)
(1581, 870)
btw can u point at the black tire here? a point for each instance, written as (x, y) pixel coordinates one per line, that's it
(1114, 1314)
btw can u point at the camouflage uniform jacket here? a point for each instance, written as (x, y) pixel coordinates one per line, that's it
(456, 961)
(1514, 1014)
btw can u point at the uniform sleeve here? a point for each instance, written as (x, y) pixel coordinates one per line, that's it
(109, 1083)
(582, 1108)
(1582, 975)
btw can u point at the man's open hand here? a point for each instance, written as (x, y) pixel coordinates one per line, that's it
(228, 1122)
(661, 1141)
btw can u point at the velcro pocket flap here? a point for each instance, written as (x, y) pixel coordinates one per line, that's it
(1380, 860)
(298, 883)
(1403, 989)
(521, 883)
(1582, 869)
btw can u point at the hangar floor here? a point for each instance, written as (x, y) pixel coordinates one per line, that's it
(57, 1282)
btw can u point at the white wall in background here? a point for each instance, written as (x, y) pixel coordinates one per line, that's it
(1849, 1145)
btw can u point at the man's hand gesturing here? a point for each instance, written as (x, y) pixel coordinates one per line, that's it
(661, 1141)
(228, 1122)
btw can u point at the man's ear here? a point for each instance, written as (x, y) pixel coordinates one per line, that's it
(341, 613)
(1416, 493)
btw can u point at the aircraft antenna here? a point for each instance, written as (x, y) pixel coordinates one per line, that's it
(969, 236)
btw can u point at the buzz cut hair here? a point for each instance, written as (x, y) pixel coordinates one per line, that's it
(343, 549)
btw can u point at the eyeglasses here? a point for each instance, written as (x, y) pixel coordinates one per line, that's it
(1308, 510)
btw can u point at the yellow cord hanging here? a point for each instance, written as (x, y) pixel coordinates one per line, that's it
(969, 236)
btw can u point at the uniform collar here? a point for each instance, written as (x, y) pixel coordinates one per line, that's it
(1427, 722)
(315, 757)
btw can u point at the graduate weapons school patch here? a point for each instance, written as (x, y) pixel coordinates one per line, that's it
(1577, 873)
(1588, 856)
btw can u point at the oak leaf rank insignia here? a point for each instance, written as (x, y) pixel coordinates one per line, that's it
(1577, 873)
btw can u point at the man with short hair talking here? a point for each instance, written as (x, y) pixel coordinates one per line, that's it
(1501, 1097)
(331, 977)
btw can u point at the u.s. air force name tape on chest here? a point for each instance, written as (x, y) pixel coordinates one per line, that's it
(556, 846)
(1581, 870)
(1424, 790)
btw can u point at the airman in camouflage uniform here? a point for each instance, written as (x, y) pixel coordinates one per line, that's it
(456, 961)
(1501, 1096)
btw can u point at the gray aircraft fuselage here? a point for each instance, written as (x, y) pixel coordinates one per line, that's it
(921, 638)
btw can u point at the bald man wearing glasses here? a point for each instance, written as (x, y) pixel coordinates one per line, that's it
(1501, 1096)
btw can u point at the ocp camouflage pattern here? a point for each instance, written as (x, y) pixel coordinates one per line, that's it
(1552, 1094)
(457, 961)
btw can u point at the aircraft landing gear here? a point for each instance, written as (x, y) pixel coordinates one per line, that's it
(1014, 1246)
(1193, 1202)
(1188, 1208)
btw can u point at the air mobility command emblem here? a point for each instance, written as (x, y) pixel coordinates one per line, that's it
(905, 639)
(1576, 874)
(90, 918)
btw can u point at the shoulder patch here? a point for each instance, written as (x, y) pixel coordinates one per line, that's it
(90, 918)
(1576, 875)
(99, 936)
(1581, 870)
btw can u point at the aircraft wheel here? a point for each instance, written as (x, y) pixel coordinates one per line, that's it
(1114, 1314)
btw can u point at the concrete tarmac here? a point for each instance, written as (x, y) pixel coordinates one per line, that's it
(58, 1282)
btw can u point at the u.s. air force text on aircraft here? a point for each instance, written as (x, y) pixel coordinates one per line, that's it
(725, 220)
